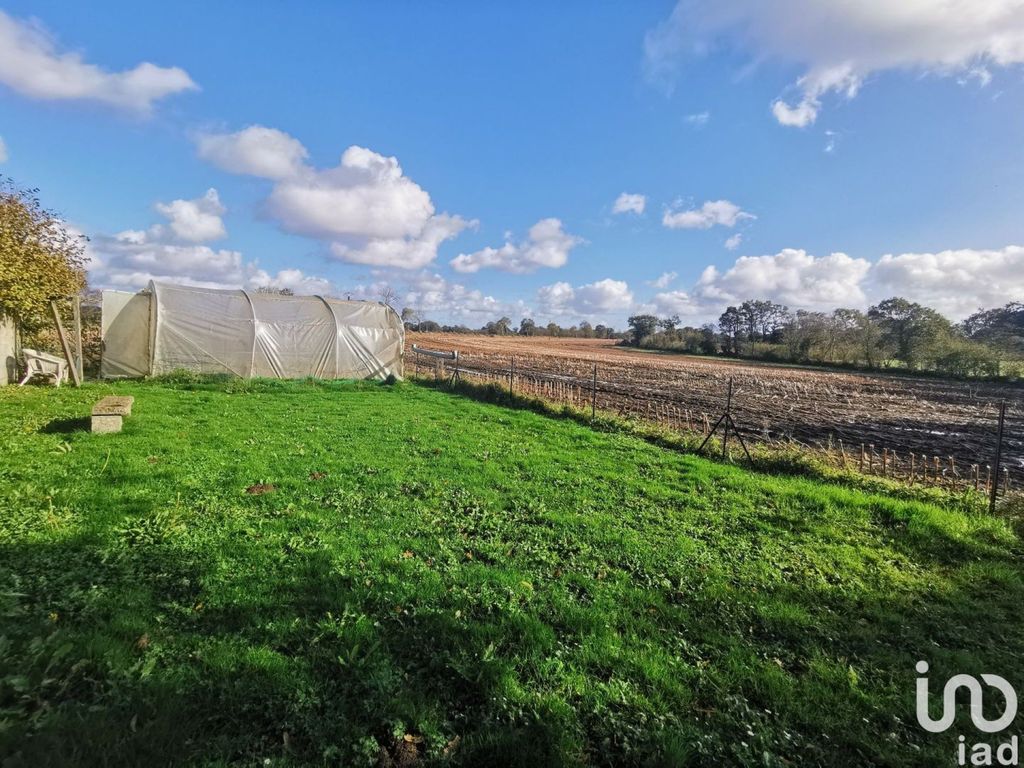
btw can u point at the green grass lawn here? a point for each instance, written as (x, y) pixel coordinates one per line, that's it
(437, 580)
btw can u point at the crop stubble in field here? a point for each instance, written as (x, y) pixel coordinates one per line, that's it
(934, 417)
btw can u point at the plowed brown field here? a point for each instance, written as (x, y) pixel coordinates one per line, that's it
(905, 414)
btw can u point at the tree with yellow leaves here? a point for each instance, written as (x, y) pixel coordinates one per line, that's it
(40, 257)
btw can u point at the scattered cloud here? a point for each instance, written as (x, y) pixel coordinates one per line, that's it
(32, 65)
(547, 245)
(676, 303)
(733, 242)
(713, 212)
(365, 208)
(197, 220)
(3, 150)
(404, 252)
(791, 276)
(698, 119)
(955, 282)
(599, 299)
(812, 87)
(966, 39)
(366, 195)
(831, 140)
(254, 151)
(629, 203)
(176, 252)
(432, 295)
(293, 279)
(664, 280)
(130, 259)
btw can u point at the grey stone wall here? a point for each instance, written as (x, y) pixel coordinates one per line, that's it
(8, 370)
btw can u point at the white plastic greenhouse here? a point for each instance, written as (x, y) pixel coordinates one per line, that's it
(173, 327)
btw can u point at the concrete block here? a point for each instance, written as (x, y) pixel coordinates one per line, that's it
(107, 422)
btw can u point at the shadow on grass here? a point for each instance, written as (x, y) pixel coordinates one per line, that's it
(312, 666)
(66, 426)
(309, 667)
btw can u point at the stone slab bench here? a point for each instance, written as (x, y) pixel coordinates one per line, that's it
(108, 413)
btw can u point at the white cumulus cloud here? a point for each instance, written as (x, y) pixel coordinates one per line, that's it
(734, 242)
(175, 252)
(3, 151)
(32, 65)
(547, 245)
(365, 208)
(664, 280)
(365, 195)
(840, 43)
(293, 279)
(197, 220)
(255, 151)
(676, 303)
(130, 260)
(404, 252)
(793, 277)
(598, 299)
(629, 203)
(712, 213)
(433, 296)
(955, 282)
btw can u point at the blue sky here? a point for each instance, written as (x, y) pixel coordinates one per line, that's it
(808, 154)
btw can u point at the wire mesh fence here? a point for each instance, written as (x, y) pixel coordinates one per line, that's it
(945, 434)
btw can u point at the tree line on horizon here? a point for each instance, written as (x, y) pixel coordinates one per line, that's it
(894, 333)
(505, 327)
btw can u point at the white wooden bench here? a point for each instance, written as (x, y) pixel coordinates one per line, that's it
(108, 413)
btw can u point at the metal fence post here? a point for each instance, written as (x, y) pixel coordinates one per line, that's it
(999, 457)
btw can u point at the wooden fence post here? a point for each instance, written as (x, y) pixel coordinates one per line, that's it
(999, 456)
(64, 343)
(593, 395)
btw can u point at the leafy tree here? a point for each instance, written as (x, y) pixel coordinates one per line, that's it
(669, 324)
(708, 341)
(641, 326)
(1002, 327)
(501, 327)
(40, 257)
(804, 332)
(527, 327)
(762, 318)
(913, 331)
(732, 323)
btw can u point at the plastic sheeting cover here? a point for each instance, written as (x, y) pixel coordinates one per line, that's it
(125, 331)
(255, 334)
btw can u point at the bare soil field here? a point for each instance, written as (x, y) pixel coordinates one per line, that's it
(899, 415)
